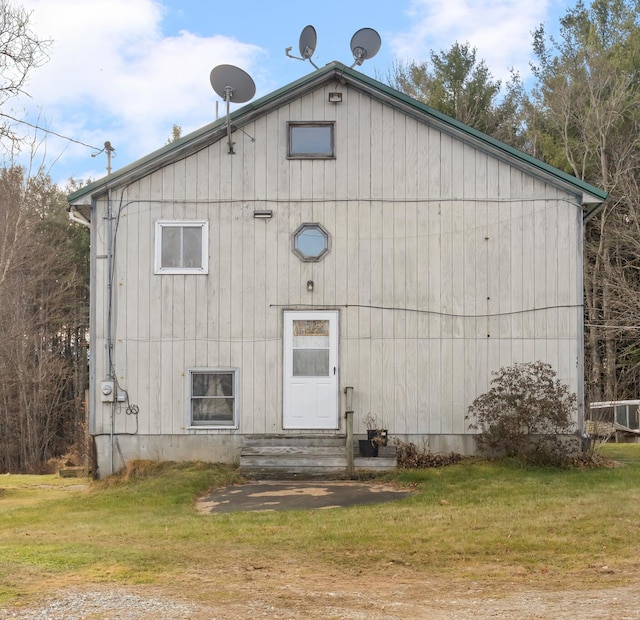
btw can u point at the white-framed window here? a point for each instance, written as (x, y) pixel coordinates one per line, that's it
(213, 398)
(311, 242)
(311, 140)
(182, 246)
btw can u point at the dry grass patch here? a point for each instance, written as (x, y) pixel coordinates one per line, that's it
(491, 523)
(30, 490)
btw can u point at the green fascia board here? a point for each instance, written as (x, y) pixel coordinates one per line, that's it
(319, 76)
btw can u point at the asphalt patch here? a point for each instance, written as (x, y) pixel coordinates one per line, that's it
(299, 495)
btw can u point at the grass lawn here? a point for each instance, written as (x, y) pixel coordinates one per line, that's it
(474, 522)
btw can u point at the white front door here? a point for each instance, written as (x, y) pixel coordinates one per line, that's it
(310, 370)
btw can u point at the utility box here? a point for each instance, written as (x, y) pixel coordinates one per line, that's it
(107, 391)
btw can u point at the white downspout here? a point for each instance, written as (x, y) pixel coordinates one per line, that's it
(74, 216)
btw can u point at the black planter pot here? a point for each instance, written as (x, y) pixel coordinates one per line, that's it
(366, 448)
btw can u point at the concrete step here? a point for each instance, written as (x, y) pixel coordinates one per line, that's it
(306, 456)
(378, 463)
(296, 473)
(302, 451)
(293, 460)
(294, 440)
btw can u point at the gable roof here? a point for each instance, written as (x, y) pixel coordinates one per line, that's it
(215, 131)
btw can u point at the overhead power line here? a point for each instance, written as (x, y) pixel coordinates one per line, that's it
(53, 133)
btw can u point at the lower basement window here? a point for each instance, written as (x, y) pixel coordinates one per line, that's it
(213, 398)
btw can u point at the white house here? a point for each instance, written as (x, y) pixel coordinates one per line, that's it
(355, 237)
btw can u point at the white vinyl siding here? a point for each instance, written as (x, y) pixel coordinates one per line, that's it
(446, 263)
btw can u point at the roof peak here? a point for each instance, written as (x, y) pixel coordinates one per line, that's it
(193, 141)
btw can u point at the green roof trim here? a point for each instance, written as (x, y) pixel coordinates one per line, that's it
(205, 133)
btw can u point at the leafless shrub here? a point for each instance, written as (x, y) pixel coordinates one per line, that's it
(410, 456)
(528, 414)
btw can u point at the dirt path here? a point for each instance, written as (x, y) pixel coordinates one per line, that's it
(261, 592)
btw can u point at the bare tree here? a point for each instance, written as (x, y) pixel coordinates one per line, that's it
(21, 51)
(587, 120)
(43, 323)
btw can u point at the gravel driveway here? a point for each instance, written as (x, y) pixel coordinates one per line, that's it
(116, 603)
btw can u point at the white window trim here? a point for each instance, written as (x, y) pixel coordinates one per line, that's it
(236, 398)
(159, 269)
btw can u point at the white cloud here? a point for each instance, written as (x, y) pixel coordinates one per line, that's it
(499, 29)
(112, 68)
(115, 74)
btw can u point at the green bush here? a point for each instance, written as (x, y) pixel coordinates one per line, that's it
(527, 414)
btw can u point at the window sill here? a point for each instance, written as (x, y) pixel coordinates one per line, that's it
(182, 272)
(319, 156)
(212, 428)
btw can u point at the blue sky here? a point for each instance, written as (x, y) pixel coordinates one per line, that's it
(127, 70)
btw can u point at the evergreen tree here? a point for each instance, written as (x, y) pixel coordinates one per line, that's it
(456, 83)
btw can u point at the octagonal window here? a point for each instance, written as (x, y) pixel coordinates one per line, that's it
(311, 242)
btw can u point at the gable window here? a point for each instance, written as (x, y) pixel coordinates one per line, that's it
(181, 246)
(311, 140)
(311, 242)
(213, 398)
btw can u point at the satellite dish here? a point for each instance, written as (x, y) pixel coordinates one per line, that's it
(233, 85)
(308, 42)
(365, 44)
(307, 45)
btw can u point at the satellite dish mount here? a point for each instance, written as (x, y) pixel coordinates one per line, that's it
(307, 45)
(365, 44)
(235, 86)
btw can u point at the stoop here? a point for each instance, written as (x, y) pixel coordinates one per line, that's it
(288, 457)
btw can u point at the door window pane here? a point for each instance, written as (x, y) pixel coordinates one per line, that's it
(310, 334)
(311, 362)
(311, 348)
